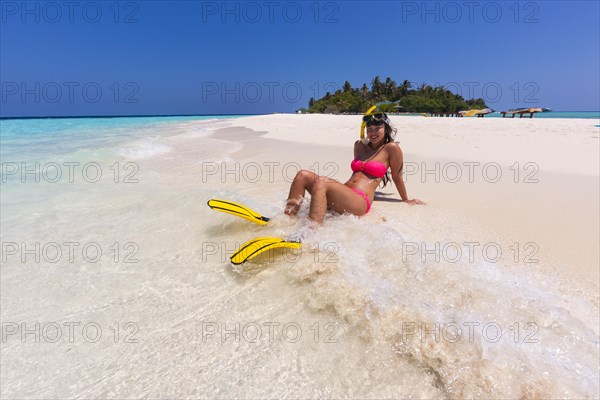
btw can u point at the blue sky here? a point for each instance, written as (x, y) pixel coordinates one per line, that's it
(213, 57)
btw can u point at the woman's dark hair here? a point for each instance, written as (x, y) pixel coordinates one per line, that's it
(390, 134)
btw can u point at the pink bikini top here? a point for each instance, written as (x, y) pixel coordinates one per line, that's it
(373, 168)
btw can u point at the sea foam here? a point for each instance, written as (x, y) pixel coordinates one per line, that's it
(144, 149)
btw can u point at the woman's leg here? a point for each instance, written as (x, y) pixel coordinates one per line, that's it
(336, 195)
(303, 181)
(324, 192)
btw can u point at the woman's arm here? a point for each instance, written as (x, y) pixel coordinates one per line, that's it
(396, 165)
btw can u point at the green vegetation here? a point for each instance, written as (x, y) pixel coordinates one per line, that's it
(390, 97)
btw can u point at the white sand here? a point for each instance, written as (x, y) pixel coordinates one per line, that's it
(350, 279)
(565, 146)
(546, 198)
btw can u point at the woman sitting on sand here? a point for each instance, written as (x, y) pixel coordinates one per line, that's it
(370, 167)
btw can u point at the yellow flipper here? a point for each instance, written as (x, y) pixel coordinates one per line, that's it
(258, 246)
(238, 210)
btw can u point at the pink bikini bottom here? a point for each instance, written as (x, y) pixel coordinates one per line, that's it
(364, 196)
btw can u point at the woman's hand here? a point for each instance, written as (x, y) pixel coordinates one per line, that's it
(414, 201)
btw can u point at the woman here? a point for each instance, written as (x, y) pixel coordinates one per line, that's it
(370, 167)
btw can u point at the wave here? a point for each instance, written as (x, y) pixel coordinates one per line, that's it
(144, 149)
(483, 329)
(480, 327)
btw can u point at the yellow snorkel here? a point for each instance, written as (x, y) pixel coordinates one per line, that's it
(364, 124)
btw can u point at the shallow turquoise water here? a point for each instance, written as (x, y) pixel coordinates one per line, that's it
(43, 137)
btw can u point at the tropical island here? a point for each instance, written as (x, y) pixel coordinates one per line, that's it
(392, 98)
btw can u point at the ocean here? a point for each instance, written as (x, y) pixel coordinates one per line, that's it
(115, 282)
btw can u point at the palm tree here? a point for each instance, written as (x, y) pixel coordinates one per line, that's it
(405, 87)
(390, 87)
(364, 91)
(376, 87)
(347, 86)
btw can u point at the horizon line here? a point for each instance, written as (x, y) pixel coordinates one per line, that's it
(124, 116)
(188, 115)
